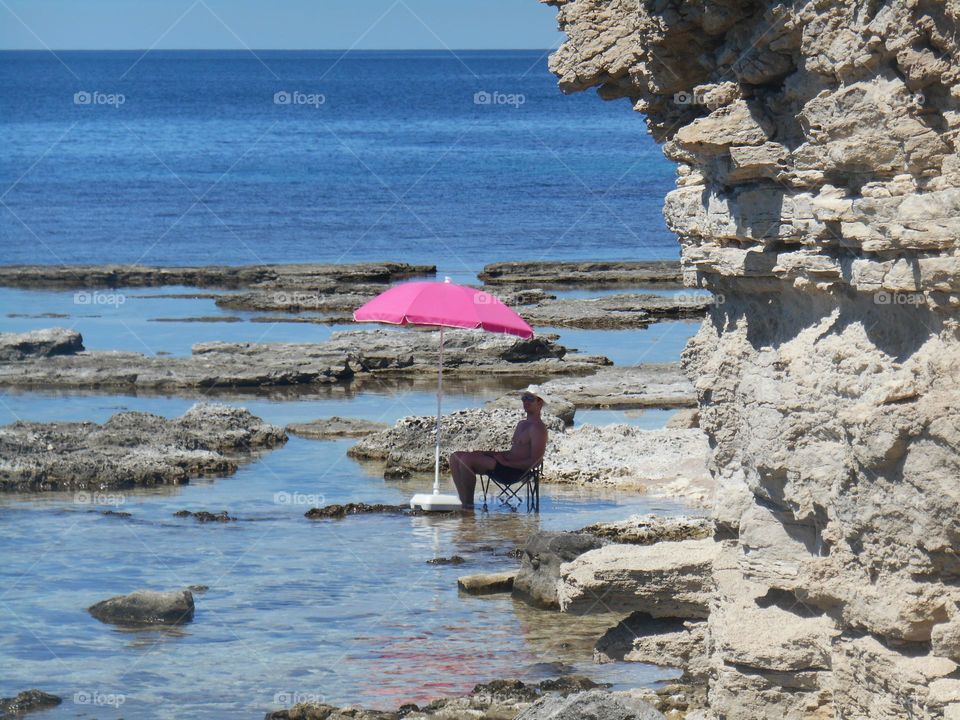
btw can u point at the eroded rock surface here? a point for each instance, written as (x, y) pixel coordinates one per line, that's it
(666, 579)
(335, 427)
(131, 449)
(546, 274)
(817, 192)
(306, 276)
(254, 365)
(662, 462)
(613, 311)
(649, 529)
(591, 703)
(39, 344)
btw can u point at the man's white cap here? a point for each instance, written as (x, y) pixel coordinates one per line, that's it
(535, 391)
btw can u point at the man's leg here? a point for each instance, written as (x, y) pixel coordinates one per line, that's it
(464, 467)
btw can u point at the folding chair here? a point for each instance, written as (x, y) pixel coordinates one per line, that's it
(507, 492)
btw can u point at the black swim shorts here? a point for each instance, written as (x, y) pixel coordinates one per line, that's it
(506, 474)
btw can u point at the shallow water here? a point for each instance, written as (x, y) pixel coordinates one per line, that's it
(658, 343)
(346, 610)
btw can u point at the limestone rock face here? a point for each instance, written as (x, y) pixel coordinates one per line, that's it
(131, 449)
(666, 579)
(591, 704)
(817, 194)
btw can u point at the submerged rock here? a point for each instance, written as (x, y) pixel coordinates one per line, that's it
(204, 516)
(452, 560)
(26, 702)
(131, 449)
(146, 607)
(337, 511)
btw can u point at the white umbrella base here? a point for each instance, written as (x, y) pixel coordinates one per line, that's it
(435, 502)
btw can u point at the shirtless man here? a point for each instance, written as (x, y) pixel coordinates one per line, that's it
(529, 444)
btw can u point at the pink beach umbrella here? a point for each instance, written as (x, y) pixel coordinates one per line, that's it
(443, 305)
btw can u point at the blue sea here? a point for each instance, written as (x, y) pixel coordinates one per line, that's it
(225, 157)
(175, 158)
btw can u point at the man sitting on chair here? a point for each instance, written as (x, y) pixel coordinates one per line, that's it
(529, 445)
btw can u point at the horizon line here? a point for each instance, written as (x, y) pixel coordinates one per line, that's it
(247, 50)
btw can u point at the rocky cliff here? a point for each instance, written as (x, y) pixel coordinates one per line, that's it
(818, 191)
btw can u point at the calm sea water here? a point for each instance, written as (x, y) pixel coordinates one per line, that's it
(403, 159)
(198, 164)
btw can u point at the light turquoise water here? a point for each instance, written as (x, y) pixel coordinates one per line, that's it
(342, 611)
(347, 610)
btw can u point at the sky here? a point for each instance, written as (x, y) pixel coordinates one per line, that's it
(276, 24)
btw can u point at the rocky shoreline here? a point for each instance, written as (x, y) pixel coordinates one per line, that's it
(55, 358)
(669, 462)
(131, 449)
(306, 276)
(818, 177)
(547, 274)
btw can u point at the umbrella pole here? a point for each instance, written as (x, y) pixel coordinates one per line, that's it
(436, 464)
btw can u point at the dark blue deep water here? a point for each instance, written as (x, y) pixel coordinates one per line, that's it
(378, 155)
